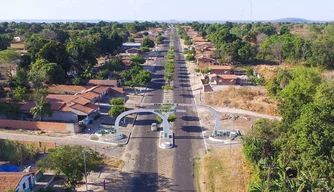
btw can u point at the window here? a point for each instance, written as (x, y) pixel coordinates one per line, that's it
(220, 80)
(24, 185)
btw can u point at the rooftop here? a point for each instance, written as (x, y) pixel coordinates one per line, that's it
(10, 180)
(85, 109)
(228, 76)
(72, 89)
(222, 67)
(102, 82)
(131, 44)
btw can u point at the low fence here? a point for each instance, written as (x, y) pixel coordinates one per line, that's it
(39, 125)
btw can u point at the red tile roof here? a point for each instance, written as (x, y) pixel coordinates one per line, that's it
(102, 82)
(90, 95)
(116, 90)
(222, 67)
(72, 89)
(98, 89)
(11, 180)
(80, 100)
(55, 106)
(60, 98)
(85, 109)
(228, 76)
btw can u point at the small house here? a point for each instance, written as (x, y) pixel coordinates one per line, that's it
(17, 181)
(226, 80)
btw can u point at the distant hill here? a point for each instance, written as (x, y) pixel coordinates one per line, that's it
(292, 20)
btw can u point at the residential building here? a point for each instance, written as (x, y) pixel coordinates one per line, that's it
(17, 181)
(226, 80)
(205, 61)
(130, 45)
(109, 83)
(220, 69)
(67, 89)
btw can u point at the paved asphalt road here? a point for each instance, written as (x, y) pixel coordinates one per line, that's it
(146, 170)
(187, 131)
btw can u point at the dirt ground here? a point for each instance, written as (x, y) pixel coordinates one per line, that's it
(224, 170)
(243, 98)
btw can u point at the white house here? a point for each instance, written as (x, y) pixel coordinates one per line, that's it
(17, 181)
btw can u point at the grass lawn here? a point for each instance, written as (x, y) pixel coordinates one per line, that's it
(224, 169)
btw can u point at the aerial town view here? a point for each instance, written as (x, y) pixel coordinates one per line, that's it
(185, 96)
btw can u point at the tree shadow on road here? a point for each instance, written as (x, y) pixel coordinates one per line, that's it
(139, 181)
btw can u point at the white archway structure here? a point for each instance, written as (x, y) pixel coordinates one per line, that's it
(165, 124)
(212, 110)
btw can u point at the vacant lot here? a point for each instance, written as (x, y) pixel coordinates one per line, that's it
(224, 170)
(252, 99)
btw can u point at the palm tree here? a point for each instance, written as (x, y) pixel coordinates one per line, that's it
(42, 108)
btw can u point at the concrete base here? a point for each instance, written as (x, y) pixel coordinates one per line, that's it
(166, 143)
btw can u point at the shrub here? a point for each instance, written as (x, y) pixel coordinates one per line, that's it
(94, 137)
(187, 52)
(188, 42)
(190, 57)
(144, 49)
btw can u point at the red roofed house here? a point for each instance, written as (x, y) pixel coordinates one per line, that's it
(220, 69)
(205, 61)
(69, 108)
(109, 83)
(16, 181)
(67, 89)
(226, 80)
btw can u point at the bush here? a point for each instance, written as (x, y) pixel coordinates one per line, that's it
(94, 137)
(188, 42)
(170, 56)
(167, 87)
(187, 52)
(171, 118)
(190, 57)
(257, 81)
(197, 70)
(144, 49)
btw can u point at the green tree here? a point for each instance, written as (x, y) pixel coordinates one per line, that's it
(117, 101)
(298, 92)
(81, 53)
(55, 52)
(5, 40)
(69, 161)
(284, 29)
(143, 77)
(147, 43)
(20, 94)
(41, 109)
(138, 59)
(190, 57)
(116, 110)
(9, 57)
(144, 49)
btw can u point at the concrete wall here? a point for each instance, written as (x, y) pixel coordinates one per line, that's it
(220, 71)
(221, 81)
(62, 116)
(39, 125)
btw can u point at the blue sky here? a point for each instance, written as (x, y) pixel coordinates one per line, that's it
(166, 9)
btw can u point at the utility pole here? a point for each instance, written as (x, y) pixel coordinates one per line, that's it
(84, 154)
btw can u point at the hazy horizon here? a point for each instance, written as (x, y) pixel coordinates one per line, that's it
(149, 10)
